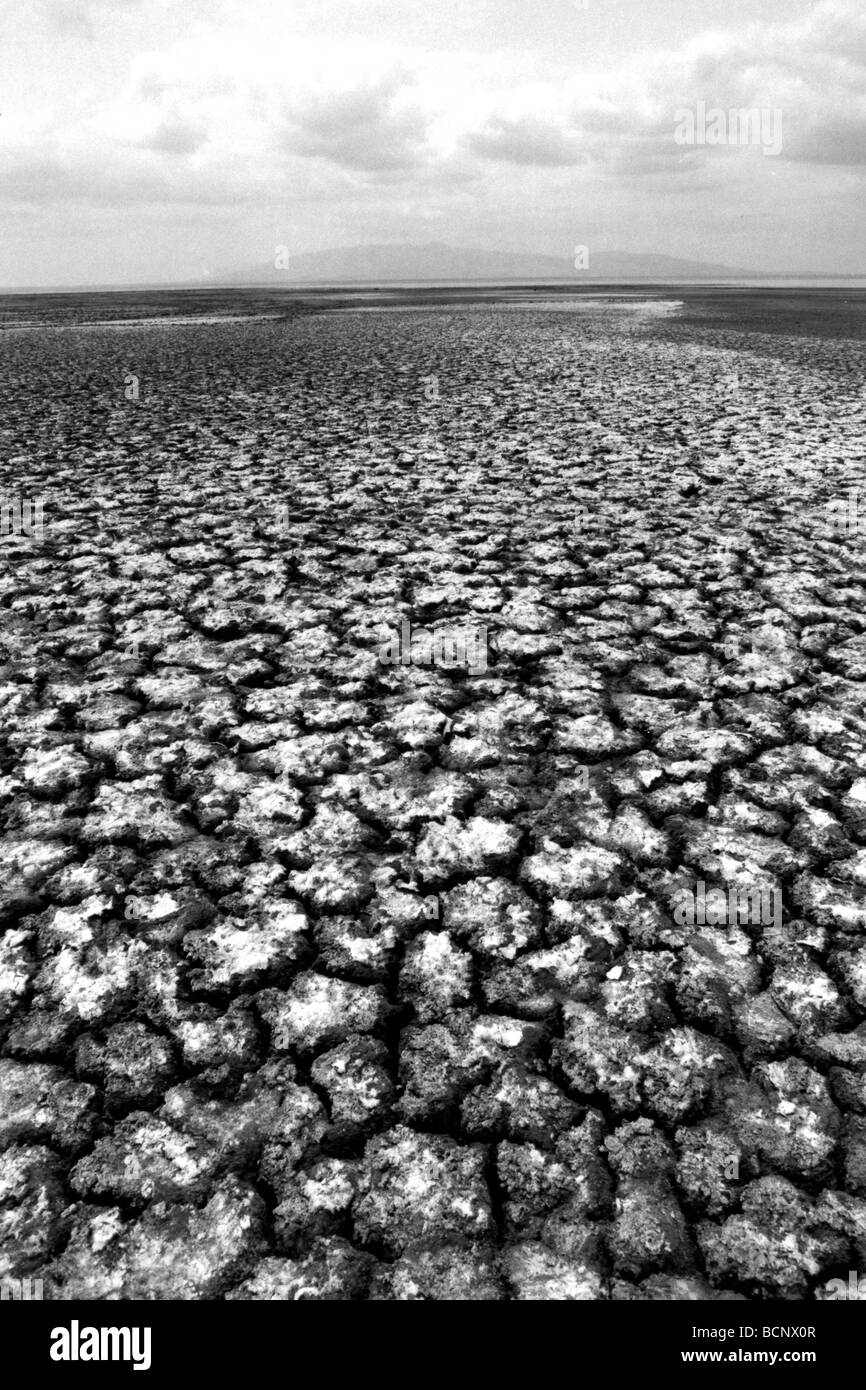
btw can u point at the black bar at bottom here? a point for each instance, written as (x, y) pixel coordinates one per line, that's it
(164, 1341)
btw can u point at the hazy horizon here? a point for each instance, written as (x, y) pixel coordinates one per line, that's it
(613, 269)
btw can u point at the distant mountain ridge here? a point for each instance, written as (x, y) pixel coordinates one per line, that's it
(438, 261)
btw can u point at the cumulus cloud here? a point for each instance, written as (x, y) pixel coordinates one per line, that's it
(526, 140)
(82, 18)
(813, 73)
(369, 127)
(175, 136)
(830, 140)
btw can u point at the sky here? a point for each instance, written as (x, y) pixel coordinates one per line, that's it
(166, 140)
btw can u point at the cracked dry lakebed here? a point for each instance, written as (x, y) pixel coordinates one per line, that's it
(433, 796)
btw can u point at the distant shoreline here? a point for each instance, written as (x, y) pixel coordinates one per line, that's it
(336, 286)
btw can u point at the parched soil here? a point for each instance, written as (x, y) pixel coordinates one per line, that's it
(324, 976)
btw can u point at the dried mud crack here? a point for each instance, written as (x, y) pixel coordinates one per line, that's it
(327, 978)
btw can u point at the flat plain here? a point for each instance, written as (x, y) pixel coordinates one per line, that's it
(329, 977)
